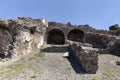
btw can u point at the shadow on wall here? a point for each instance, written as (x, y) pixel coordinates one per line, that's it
(75, 64)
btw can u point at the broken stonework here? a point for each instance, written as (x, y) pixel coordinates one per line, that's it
(114, 27)
(86, 55)
(22, 36)
(98, 40)
(5, 42)
(114, 47)
(26, 35)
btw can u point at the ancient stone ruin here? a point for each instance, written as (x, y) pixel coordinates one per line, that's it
(26, 35)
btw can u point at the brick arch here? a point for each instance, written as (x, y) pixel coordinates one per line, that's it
(75, 35)
(55, 36)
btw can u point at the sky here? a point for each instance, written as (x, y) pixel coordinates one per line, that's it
(99, 14)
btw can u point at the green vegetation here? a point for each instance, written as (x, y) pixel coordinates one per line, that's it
(68, 69)
(37, 70)
(41, 56)
(95, 78)
(110, 73)
(11, 71)
(19, 67)
(59, 60)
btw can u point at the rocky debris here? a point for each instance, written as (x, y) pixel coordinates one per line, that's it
(114, 27)
(86, 55)
(114, 47)
(55, 24)
(117, 32)
(69, 24)
(4, 23)
(27, 21)
(86, 28)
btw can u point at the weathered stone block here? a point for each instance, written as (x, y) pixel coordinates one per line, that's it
(86, 55)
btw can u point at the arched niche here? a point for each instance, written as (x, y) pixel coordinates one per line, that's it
(55, 36)
(75, 35)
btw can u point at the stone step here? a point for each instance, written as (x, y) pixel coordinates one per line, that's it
(56, 48)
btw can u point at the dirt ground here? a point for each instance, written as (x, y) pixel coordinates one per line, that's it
(52, 66)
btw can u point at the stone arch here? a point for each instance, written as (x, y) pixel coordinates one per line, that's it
(55, 36)
(75, 35)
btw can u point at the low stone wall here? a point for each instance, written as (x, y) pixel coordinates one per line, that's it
(56, 48)
(86, 55)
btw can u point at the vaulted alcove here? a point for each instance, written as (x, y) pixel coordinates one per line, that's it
(55, 36)
(75, 35)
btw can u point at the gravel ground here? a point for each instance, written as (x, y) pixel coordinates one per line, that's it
(52, 66)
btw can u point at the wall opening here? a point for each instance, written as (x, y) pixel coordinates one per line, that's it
(76, 35)
(55, 36)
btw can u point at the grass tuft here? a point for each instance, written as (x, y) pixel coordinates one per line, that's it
(95, 78)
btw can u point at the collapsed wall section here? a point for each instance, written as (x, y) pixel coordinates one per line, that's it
(22, 36)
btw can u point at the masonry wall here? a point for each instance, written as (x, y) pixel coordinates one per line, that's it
(86, 55)
(69, 32)
(21, 37)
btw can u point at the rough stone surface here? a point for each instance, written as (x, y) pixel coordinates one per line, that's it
(114, 47)
(22, 36)
(114, 27)
(56, 48)
(86, 55)
(5, 42)
(26, 35)
(98, 40)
